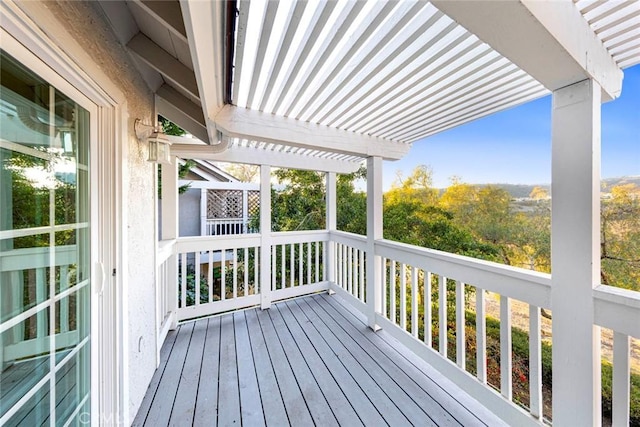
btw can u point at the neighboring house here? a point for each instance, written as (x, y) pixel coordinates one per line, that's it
(96, 310)
(216, 203)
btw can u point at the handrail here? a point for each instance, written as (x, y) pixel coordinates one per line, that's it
(38, 257)
(165, 250)
(288, 237)
(513, 282)
(356, 241)
(204, 243)
(617, 309)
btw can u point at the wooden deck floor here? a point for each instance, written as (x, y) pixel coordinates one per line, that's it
(308, 361)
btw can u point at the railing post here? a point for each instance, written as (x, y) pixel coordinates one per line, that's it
(575, 253)
(331, 225)
(203, 211)
(374, 232)
(169, 231)
(265, 236)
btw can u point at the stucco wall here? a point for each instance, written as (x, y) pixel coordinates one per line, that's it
(84, 21)
(189, 213)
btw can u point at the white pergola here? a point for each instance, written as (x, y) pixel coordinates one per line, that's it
(325, 85)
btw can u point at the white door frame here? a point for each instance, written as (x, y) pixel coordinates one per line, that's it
(41, 52)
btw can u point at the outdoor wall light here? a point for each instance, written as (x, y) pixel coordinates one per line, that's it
(159, 144)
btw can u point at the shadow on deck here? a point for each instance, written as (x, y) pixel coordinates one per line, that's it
(305, 361)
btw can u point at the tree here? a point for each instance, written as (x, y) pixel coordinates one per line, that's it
(539, 193)
(300, 201)
(170, 128)
(620, 237)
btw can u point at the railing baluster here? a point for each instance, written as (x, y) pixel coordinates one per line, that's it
(442, 318)
(350, 270)
(283, 267)
(481, 336)
(41, 317)
(384, 287)
(506, 363)
(403, 296)
(621, 383)
(317, 254)
(235, 273)
(356, 271)
(309, 263)
(64, 303)
(183, 280)
(274, 271)
(300, 264)
(535, 363)
(392, 291)
(292, 264)
(246, 271)
(210, 275)
(196, 279)
(460, 325)
(256, 269)
(427, 308)
(223, 275)
(361, 280)
(414, 301)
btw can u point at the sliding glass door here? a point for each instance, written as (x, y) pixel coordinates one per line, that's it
(44, 252)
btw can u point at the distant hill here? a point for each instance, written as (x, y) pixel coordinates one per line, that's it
(523, 190)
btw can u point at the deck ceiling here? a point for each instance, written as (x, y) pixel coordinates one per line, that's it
(344, 80)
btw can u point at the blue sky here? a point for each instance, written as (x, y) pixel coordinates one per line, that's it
(514, 146)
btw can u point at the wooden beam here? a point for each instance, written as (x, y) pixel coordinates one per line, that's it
(205, 24)
(259, 126)
(164, 63)
(551, 41)
(180, 110)
(168, 13)
(253, 156)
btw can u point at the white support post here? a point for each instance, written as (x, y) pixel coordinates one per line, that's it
(170, 231)
(575, 253)
(265, 237)
(331, 224)
(374, 232)
(203, 211)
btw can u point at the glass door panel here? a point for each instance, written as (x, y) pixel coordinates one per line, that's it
(44, 251)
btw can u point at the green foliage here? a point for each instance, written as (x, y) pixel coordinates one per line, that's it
(30, 202)
(300, 203)
(170, 128)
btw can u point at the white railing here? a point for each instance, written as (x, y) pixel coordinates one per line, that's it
(222, 273)
(228, 226)
(421, 289)
(29, 324)
(412, 276)
(298, 263)
(350, 268)
(619, 310)
(165, 288)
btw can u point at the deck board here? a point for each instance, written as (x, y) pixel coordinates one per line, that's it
(368, 413)
(320, 410)
(183, 407)
(251, 408)
(228, 387)
(297, 408)
(206, 412)
(307, 361)
(274, 410)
